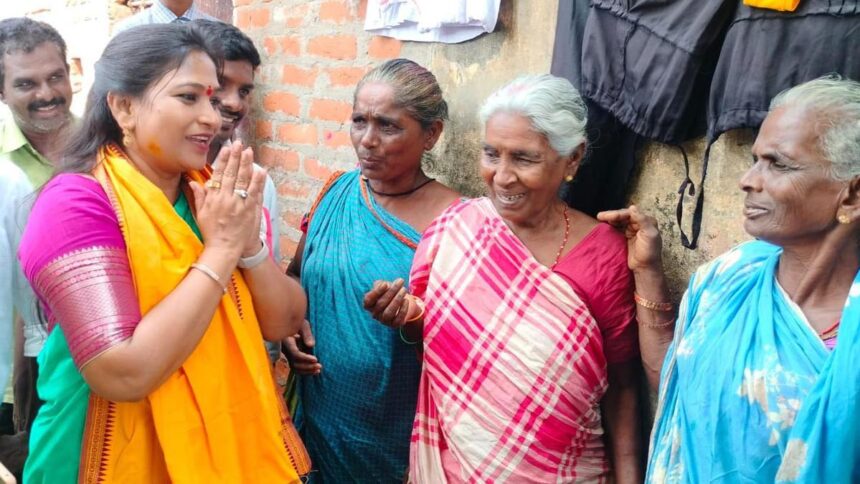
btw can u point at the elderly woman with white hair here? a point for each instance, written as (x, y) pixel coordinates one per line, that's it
(761, 382)
(525, 310)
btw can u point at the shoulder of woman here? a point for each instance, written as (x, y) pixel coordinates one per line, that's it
(741, 259)
(74, 185)
(605, 248)
(338, 178)
(72, 212)
(610, 236)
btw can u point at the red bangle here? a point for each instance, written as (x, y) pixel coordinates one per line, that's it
(418, 302)
(656, 306)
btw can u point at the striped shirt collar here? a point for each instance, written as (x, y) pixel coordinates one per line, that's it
(163, 15)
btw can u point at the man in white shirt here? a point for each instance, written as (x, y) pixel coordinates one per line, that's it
(16, 300)
(14, 190)
(164, 12)
(35, 85)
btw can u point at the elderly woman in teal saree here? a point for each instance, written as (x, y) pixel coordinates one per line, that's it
(761, 381)
(359, 380)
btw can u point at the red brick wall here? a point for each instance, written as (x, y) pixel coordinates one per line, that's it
(314, 52)
(220, 9)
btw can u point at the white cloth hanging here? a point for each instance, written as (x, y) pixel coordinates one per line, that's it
(448, 21)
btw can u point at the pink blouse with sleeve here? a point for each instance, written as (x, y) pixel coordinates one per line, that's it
(74, 255)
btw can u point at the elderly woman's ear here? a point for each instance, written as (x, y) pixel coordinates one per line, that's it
(574, 160)
(432, 134)
(849, 204)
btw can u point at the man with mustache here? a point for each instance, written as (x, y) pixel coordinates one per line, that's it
(34, 84)
(233, 100)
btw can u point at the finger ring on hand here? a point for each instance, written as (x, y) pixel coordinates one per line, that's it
(213, 184)
(243, 194)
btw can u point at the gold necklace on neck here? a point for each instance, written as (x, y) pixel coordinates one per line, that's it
(564, 240)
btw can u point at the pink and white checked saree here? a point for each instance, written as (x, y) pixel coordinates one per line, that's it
(514, 367)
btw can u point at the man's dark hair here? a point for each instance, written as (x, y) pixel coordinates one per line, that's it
(26, 34)
(235, 44)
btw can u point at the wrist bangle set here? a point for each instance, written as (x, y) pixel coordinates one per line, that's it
(655, 306)
(665, 307)
(209, 272)
(244, 263)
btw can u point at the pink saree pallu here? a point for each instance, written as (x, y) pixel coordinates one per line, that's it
(514, 368)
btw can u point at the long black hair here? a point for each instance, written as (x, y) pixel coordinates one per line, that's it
(132, 62)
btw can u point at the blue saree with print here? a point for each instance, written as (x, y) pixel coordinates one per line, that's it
(356, 415)
(748, 392)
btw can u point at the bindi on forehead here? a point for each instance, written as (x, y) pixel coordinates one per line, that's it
(209, 91)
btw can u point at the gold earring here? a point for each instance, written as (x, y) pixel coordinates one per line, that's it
(844, 219)
(127, 138)
(568, 178)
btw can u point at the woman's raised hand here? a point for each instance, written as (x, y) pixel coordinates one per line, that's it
(229, 206)
(387, 302)
(644, 244)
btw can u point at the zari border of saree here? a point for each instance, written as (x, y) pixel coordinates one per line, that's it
(296, 450)
(366, 196)
(98, 433)
(98, 426)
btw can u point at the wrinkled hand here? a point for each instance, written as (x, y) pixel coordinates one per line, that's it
(644, 244)
(226, 220)
(301, 362)
(387, 302)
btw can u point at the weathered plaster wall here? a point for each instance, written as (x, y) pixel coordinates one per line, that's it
(660, 173)
(468, 73)
(315, 52)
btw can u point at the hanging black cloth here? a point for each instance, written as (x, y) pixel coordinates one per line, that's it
(602, 180)
(567, 50)
(642, 61)
(646, 69)
(764, 53)
(648, 62)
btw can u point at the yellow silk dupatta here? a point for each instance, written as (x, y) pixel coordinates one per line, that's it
(218, 418)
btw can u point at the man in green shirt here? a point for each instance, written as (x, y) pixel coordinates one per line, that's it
(34, 84)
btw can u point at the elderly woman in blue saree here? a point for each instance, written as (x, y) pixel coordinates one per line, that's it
(358, 385)
(761, 382)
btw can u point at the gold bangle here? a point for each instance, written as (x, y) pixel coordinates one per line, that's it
(418, 302)
(656, 306)
(658, 325)
(209, 272)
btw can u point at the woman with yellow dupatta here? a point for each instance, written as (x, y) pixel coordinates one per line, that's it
(157, 287)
